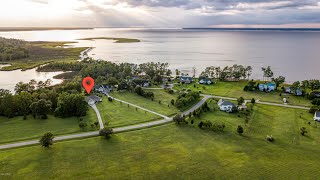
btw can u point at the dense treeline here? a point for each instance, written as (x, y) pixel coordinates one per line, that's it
(38, 99)
(228, 73)
(11, 49)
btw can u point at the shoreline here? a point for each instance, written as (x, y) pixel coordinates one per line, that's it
(84, 54)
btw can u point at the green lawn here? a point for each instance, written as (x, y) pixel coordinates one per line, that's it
(235, 89)
(161, 95)
(17, 129)
(119, 114)
(182, 152)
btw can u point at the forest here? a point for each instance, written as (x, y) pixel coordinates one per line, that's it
(12, 49)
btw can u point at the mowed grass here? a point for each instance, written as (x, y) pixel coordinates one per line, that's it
(182, 152)
(235, 90)
(119, 114)
(17, 129)
(159, 95)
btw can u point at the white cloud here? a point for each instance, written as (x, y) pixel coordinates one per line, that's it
(157, 13)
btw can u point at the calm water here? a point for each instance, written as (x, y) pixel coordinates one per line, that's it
(10, 78)
(295, 55)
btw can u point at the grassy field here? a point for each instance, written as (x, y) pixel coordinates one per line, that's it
(161, 95)
(182, 152)
(43, 53)
(116, 40)
(17, 129)
(235, 89)
(117, 114)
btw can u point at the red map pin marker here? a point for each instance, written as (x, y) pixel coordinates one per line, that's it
(88, 84)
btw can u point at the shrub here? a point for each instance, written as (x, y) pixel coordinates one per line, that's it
(270, 138)
(253, 101)
(200, 125)
(303, 131)
(82, 125)
(106, 132)
(110, 99)
(218, 127)
(47, 139)
(179, 119)
(240, 130)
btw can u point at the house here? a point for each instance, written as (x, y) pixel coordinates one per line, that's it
(226, 106)
(317, 116)
(288, 90)
(93, 99)
(205, 81)
(267, 87)
(298, 92)
(103, 89)
(186, 79)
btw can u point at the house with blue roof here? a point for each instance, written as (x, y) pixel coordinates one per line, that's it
(267, 87)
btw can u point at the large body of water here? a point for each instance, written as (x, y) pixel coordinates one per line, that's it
(293, 54)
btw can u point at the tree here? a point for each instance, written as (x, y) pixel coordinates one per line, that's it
(4, 92)
(240, 100)
(41, 108)
(304, 84)
(303, 131)
(106, 132)
(249, 71)
(267, 72)
(279, 80)
(253, 101)
(314, 84)
(178, 72)
(172, 101)
(240, 130)
(178, 119)
(71, 105)
(47, 139)
(23, 101)
(112, 81)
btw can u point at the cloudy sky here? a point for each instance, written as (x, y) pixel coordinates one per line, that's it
(160, 13)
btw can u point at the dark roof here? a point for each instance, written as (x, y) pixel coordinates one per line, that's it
(186, 78)
(317, 114)
(106, 86)
(95, 98)
(228, 103)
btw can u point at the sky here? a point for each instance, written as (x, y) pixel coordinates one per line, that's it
(160, 13)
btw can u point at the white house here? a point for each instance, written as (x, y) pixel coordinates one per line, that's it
(317, 116)
(226, 106)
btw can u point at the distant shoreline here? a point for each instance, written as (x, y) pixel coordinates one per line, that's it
(255, 29)
(7, 29)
